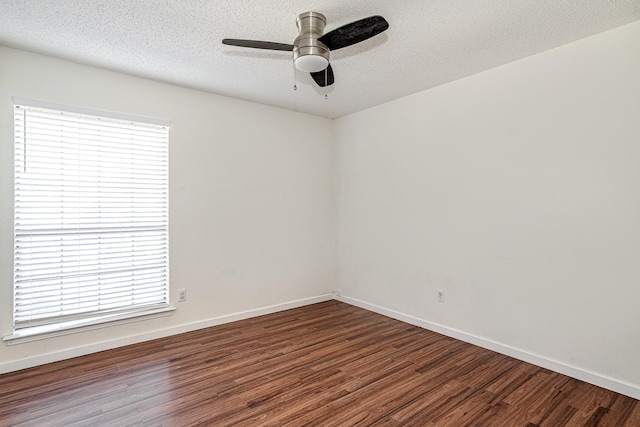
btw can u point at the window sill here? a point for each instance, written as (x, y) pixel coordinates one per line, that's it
(36, 333)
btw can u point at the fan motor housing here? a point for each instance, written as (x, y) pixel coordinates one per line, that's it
(309, 54)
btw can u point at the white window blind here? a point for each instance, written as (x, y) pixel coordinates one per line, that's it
(91, 216)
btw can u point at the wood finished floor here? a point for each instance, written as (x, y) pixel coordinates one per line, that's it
(328, 364)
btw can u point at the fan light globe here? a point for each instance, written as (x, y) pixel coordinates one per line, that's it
(311, 63)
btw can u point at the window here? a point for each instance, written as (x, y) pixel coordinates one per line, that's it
(91, 215)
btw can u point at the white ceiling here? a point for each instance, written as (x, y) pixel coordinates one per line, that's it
(428, 43)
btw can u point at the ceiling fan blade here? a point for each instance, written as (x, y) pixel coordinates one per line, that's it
(257, 44)
(319, 77)
(354, 32)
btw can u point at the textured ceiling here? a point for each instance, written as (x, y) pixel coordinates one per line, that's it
(429, 42)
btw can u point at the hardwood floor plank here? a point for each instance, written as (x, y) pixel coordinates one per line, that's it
(325, 364)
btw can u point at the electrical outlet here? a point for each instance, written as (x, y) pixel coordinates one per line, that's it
(440, 295)
(182, 295)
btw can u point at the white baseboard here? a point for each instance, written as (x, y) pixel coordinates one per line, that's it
(614, 384)
(41, 359)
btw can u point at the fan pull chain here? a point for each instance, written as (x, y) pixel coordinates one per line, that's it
(326, 85)
(295, 86)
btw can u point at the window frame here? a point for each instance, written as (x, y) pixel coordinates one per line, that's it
(66, 324)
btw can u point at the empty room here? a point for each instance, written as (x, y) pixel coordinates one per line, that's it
(320, 213)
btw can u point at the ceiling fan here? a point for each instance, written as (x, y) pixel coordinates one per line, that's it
(311, 48)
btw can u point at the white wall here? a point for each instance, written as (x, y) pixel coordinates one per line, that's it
(517, 191)
(251, 212)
